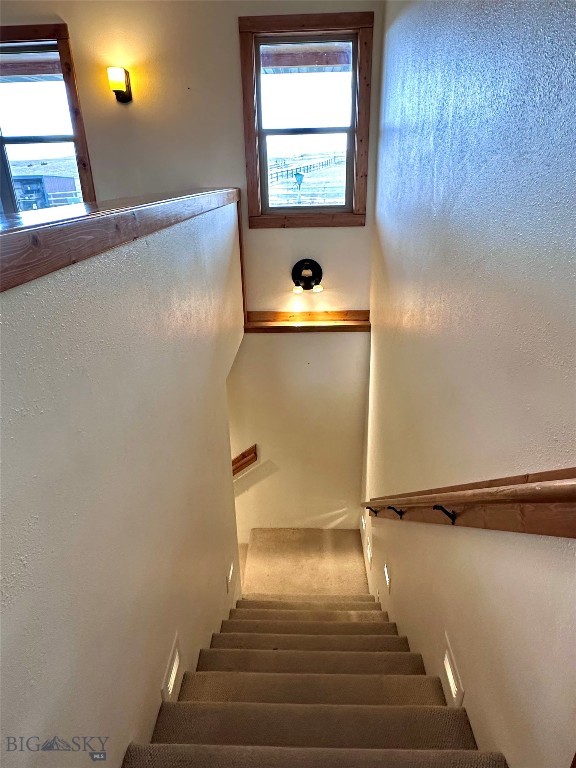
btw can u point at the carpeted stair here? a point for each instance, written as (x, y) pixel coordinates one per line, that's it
(310, 681)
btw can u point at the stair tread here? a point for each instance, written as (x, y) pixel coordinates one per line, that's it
(342, 662)
(223, 756)
(314, 725)
(312, 605)
(270, 641)
(269, 614)
(312, 688)
(310, 598)
(264, 626)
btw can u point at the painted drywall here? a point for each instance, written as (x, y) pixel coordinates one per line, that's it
(185, 129)
(303, 399)
(117, 501)
(506, 602)
(472, 359)
(474, 276)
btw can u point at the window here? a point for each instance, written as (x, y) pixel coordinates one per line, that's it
(43, 153)
(306, 90)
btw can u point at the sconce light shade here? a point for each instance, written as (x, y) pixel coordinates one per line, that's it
(306, 276)
(119, 79)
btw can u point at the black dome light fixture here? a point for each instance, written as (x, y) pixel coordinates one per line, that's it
(307, 276)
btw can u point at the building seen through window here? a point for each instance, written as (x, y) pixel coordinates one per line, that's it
(39, 162)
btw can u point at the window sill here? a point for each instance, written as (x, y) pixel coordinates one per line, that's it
(303, 220)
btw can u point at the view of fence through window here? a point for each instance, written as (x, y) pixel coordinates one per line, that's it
(34, 125)
(306, 91)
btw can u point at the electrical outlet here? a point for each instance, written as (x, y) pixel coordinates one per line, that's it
(229, 576)
(452, 675)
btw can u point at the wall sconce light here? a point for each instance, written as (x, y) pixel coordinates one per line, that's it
(307, 276)
(119, 79)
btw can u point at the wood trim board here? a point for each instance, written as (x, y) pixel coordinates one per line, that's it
(542, 503)
(81, 144)
(22, 33)
(29, 251)
(304, 220)
(547, 519)
(302, 322)
(566, 473)
(245, 459)
(551, 491)
(306, 22)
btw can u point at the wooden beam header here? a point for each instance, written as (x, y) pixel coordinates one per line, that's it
(306, 22)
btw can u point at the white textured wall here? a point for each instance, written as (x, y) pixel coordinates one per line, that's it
(117, 500)
(184, 128)
(506, 602)
(472, 366)
(473, 310)
(303, 399)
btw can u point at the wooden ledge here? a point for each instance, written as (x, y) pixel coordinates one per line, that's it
(306, 220)
(245, 459)
(35, 243)
(302, 322)
(546, 506)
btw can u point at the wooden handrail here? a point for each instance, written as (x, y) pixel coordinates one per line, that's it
(244, 459)
(528, 493)
(546, 507)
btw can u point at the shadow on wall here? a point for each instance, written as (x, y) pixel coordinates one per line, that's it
(334, 517)
(258, 473)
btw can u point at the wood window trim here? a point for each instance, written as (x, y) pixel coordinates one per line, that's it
(251, 27)
(59, 32)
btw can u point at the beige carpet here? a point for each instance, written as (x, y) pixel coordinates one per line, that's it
(300, 677)
(221, 756)
(305, 561)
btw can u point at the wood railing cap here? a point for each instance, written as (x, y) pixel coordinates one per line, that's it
(64, 214)
(36, 243)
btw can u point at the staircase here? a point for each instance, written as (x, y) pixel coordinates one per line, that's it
(310, 681)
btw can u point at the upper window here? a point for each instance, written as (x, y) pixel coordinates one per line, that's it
(306, 82)
(43, 154)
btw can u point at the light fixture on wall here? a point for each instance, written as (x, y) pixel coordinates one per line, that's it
(307, 276)
(119, 79)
